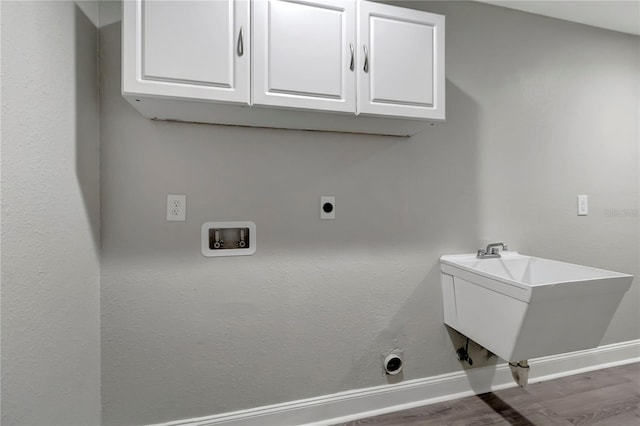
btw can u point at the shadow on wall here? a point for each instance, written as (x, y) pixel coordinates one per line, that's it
(417, 327)
(87, 120)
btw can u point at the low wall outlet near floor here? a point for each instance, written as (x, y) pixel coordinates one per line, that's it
(228, 239)
(392, 361)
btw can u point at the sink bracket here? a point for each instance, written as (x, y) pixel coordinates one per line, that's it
(463, 353)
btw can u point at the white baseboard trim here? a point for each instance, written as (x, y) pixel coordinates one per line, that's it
(355, 404)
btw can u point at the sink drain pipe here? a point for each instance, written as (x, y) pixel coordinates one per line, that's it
(520, 372)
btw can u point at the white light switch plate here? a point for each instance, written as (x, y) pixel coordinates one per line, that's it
(583, 205)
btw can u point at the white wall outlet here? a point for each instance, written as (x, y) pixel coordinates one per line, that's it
(327, 207)
(176, 207)
(583, 205)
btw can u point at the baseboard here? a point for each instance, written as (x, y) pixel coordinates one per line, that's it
(359, 403)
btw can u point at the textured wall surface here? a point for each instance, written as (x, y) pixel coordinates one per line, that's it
(539, 110)
(50, 215)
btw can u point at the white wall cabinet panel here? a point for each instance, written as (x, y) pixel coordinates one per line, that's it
(187, 49)
(336, 65)
(401, 62)
(304, 54)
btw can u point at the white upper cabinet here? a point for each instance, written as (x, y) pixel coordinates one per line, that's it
(295, 60)
(304, 54)
(187, 49)
(401, 62)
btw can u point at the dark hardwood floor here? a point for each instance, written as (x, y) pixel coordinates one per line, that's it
(608, 397)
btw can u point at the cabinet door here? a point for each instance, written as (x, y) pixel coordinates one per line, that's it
(401, 62)
(304, 54)
(187, 49)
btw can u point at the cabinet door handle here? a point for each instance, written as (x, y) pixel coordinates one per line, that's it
(366, 59)
(241, 42)
(352, 64)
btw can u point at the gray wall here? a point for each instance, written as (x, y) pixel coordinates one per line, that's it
(539, 111)
(50, 215)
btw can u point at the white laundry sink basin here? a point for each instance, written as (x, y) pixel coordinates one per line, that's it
(521, 307)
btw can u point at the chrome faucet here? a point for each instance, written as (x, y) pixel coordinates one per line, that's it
(492, 251)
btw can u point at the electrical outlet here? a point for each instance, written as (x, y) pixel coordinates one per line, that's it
(176, 207)
(327, 207)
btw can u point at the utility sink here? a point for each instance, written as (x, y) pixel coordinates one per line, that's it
(521, 307)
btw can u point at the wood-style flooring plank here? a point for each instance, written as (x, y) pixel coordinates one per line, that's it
(608, 397)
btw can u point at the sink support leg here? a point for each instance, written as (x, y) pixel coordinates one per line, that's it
(520, 372)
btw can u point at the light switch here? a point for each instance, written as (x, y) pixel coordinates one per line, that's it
(583, 205)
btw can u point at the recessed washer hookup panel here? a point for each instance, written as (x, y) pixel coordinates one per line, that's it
(228, 239)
